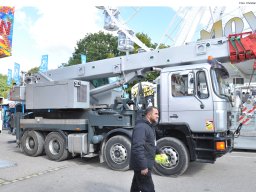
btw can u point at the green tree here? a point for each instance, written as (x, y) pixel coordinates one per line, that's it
(4, 89)
(161, 46)
(95, 46)
(144, 38)
(33, 70)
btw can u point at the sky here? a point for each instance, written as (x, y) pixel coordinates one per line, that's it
(54, 27)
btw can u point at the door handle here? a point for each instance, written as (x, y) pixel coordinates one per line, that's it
(174, 116)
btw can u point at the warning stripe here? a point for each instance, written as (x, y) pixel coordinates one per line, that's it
(241, 118)
(250, 111)
(244, 120)
(244, 109)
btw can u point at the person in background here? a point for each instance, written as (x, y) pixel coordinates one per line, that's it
(143, 151)
(12, 123)
(7, 120)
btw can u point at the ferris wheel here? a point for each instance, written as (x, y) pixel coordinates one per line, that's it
(126, 37)
(185, 25)
(182, 28)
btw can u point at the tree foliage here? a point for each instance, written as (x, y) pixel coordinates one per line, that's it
(33, 70)
(95, 46)
(4, 89)
(144, 38)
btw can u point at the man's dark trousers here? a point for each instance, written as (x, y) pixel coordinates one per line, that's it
(142, 183)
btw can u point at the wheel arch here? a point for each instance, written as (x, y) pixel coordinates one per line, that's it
(181, 132)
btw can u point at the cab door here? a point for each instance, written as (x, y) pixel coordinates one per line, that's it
(190, 101)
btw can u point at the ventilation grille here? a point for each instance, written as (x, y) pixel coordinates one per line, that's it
(82, 93)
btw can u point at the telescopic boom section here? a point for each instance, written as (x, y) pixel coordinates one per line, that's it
(236, 48)
(191, 53)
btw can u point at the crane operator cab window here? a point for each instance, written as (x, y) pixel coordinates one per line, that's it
(182, 85)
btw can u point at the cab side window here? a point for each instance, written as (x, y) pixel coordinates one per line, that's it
(202, 87)
(179, 85)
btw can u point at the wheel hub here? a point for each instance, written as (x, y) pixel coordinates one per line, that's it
(30, 143)
(173, 157)
(54, 147)
(118, 153)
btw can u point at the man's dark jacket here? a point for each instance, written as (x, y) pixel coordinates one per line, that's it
(143, 149)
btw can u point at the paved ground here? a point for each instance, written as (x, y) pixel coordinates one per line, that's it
(233, 173)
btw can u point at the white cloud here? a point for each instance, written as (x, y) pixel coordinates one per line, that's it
(64, 25)
(55, 33)
(59, 28)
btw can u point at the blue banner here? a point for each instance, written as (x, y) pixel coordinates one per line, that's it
(9, 77)
(83, 59)
(16, 73)
(44, 64)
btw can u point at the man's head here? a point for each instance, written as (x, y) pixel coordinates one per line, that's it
(152, 114)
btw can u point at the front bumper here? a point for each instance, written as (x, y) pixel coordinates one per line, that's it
(206, 145)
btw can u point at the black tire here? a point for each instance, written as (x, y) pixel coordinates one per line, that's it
(32, 143)
(117, 153)
(177, 154)
(55, 147)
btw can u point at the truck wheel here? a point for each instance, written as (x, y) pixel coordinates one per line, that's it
(178, 158)
(55, 147)
(32, 143)
(117, 153)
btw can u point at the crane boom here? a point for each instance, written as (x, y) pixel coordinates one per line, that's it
(234, 49)
(174, 56)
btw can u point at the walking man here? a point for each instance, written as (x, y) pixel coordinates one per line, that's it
(143, 151)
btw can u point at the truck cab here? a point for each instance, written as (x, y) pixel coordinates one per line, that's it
(194, 110)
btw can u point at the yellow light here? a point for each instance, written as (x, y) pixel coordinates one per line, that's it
(220, 145)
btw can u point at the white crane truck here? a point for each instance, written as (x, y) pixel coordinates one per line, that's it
(65, 114)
